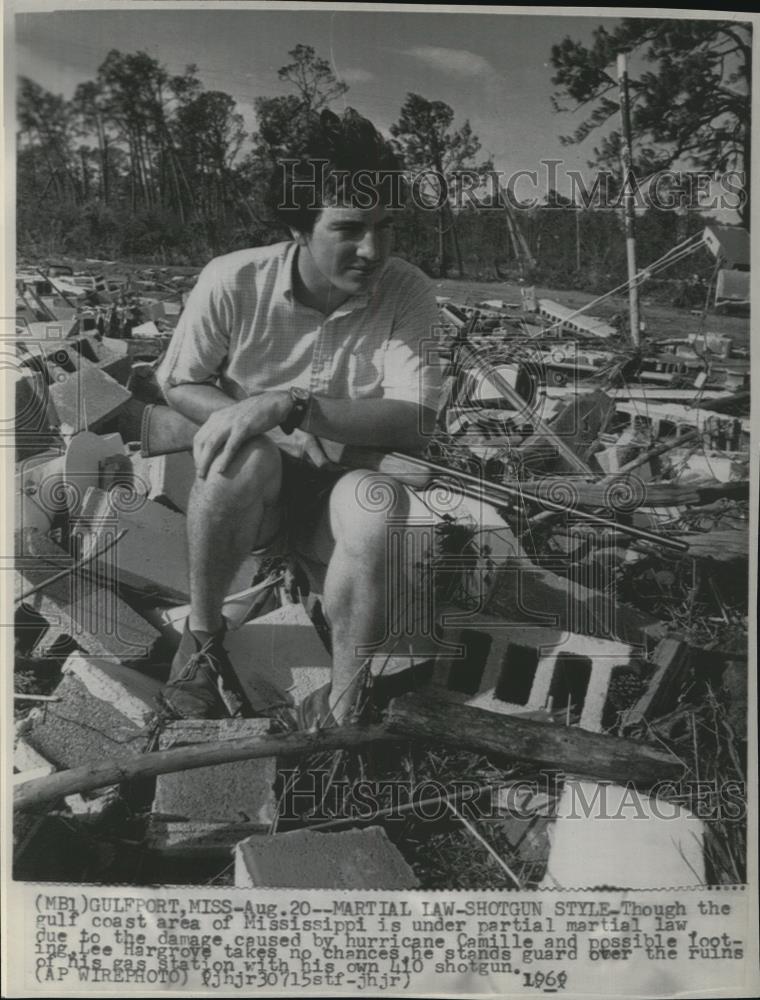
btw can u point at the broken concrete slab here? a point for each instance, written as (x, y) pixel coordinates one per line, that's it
(131, 690)
(284, 649)
(27, 762)
(84, 727)
(154, 555)
(85, 454)
(599, 841)
(86, 399)
(167, 479)
(148, 329)
(35, 418)
(237, 609)
(301, 859)
(76, 606)
(240, 792)
(207, 810)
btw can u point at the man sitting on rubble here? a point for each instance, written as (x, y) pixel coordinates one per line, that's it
(321, 337)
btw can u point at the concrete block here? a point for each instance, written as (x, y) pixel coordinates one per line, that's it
(27, 762)
(208, 810)
(167, 479)
(113, 357)
(34, 414)
(351, 859)
(101, 715)
(521, 671)
(153, 554)
(148, 329)
(283, 648)
(236, 609)
(131, 691)
(196, 839)
(240, 792)
(86, 399)
(86, 454)
(608, 837)
(77, 606)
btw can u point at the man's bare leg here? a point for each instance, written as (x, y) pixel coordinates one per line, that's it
(363, 506)
(228, 515)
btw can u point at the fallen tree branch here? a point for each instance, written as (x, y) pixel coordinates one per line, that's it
(561, 748)
(411, 717)
(98, 775)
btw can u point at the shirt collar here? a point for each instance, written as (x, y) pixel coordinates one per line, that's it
(284, 286)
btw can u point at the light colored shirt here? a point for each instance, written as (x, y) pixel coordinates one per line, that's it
(244, 330)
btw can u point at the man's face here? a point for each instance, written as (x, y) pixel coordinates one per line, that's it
(346, 251)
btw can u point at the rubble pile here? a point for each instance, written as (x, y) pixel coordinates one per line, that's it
(610, 534)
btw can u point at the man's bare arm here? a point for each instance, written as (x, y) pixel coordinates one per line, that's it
(378, 423)
(197, 402)
(224, 425)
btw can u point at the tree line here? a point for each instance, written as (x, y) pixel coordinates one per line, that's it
(149, 166)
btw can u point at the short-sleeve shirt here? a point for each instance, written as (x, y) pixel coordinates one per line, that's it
(244, 330)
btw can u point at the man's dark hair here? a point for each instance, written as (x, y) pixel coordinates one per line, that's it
(343, 161)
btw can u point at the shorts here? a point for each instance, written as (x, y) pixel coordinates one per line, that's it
(304, 511)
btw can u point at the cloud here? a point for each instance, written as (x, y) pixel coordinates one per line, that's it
(459, 62)
(356, 75)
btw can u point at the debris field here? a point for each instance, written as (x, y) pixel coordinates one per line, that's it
(587, 507)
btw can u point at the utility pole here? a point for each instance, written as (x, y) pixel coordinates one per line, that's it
(628, 201)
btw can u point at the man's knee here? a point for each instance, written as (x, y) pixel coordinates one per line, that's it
(364, 508)
(255, 472)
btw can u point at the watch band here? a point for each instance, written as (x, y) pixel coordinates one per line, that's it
(294, 419)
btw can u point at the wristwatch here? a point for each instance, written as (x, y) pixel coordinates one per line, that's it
(301, 399)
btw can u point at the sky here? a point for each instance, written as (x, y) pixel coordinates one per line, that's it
(492, 69)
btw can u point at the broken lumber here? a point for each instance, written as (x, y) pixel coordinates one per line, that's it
(409, 718)
(563, 748)
(672, 661)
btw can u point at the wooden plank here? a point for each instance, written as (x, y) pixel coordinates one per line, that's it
(672, 660)
(545, 744)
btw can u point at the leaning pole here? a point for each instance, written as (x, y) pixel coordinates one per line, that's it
(628, 197)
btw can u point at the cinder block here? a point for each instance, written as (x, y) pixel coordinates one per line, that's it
(520, 671)
(240, 792)
(209, 809)
(102, 715)
(153, 554)
(77, 606)
(86, 399)
(352, 859)
(283, 648)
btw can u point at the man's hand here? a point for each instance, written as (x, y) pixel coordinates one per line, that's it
(225, 430)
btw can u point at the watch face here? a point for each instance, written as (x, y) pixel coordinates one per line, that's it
(298, 393)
